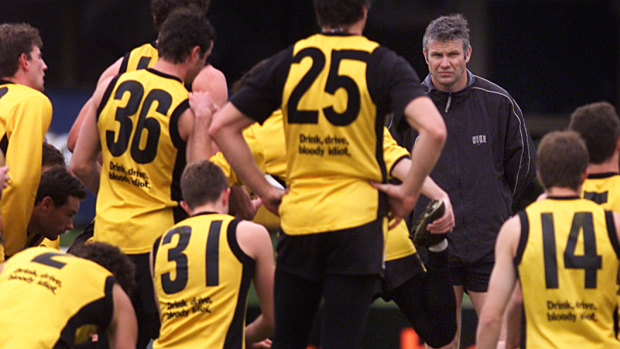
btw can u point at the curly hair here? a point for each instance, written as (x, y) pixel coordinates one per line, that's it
(111, 258)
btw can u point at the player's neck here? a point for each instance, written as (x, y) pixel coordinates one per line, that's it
(217, 206)
(18, 79)
(174, 69)
(611, 165)
(562, 192)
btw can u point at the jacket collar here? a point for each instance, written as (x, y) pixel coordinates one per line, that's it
(428, 83)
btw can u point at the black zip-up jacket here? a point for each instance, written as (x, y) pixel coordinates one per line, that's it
(487, 161)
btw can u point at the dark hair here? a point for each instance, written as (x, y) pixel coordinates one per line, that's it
(111, 258)
(161, 9)
(202, 182)
(16, 39)
(184, 29)
(562, 159)
(59, 184)
(52, 156)
(241, 82)
(447, 28)
(598, 125)
(332, 13)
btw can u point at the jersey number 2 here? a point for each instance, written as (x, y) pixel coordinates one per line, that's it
(335, 81)
(589, 261)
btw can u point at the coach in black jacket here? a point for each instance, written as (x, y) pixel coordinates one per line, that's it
(488, 158)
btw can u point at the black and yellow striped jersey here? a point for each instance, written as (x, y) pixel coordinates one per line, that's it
(49, 296)
(25, 116)
(143, 158)
(334, 92)
(567, 262)
(201, 279)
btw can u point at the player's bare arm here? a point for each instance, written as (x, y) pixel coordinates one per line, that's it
(123, 330)
(431, 190)
(110, 71)
(501, 285)
(254, 240)
(226, 129)
(422, 115)
(84, 162)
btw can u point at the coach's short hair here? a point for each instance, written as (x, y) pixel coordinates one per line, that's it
(447, 28)
(562, 160)
(161, 9)
(599, 126)
(333, 13)
(184, 29)
(202, 182)
(59, 184)
(15, 40)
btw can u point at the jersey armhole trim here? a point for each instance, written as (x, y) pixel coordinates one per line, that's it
(174, 125)
(106, 95)
(124, 63)
(611, 231)
(231, 235)
(525, 229)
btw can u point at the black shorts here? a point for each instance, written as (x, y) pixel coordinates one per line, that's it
(143, 300)
(398, 271)
(354, 251)
(472, 276)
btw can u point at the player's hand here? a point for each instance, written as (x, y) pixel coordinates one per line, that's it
(264, 344)
(272, 199)
(202, 105)
(445, 223)
(4, 178)
(400, 203)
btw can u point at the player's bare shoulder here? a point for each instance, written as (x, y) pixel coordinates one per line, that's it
(252, 238)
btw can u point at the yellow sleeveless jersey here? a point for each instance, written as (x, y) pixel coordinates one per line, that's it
(201, 279)
(267, 146)
(331, 138)
(567, 262)
(25, 116)
(48, 296)
(143, 158)
(334, 92)
(604, 189)
(141, 57)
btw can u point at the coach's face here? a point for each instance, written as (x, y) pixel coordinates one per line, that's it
(447, 64)
(59, 218)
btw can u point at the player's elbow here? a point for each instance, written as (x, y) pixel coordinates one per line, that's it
(438, 133)
(489, 320)
(79, 168)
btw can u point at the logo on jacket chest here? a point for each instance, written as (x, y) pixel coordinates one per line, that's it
(479, 139)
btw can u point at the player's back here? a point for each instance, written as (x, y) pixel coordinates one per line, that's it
(47, 295)
(567, 262)
(143, 157)
(201, 279)
(141, 57)
(333, 136)
(604, 189)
